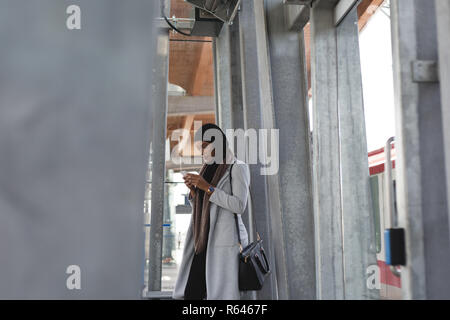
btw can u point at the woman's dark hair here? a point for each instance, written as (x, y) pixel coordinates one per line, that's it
(208, 133)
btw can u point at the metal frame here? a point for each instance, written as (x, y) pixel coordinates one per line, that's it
(160, 100)
(291, 189)
(421, 184)
(357, 211)
(344, 228)
(250, 27)
(443, 24)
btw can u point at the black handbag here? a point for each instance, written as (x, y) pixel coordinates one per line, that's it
(253, 264)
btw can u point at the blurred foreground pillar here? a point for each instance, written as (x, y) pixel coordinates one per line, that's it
(74, 136)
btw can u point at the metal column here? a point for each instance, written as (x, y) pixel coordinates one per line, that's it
(224, 95)
(422, 194)
(443, 23)
(250, 26)
(160, 98)
(357, 213)
(229, 110)
(326, 166)
(265, 87)
(237, 108)
(293, 225)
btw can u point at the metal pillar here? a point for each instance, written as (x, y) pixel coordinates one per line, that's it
(293, 230)
(326, 167)
(265, 86)
(443, 23)
(237, 108)
(252, 27)
(224, 95)
(422, 195)
(359, 250)
(237, 103)
(160, 98)
(216, 81)
(228, 82)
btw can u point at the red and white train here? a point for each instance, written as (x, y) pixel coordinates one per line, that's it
(390, 280)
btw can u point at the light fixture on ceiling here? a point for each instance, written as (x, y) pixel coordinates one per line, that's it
(174, 90)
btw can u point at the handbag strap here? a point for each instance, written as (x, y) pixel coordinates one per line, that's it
(235, 214)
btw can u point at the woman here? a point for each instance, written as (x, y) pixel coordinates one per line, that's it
(209, 269)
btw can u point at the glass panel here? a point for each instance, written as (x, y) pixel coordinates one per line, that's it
(176, 220)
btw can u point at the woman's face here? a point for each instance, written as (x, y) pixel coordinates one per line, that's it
(208, 151)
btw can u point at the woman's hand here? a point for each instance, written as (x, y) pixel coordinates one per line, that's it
(196, 181)
(191, 187)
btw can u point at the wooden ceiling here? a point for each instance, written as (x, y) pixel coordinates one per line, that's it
(191, 63)
(191, 59)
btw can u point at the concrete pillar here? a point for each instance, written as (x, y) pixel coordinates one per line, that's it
(443, 23)
(252, 27)
(326, 167)
(158, 161)
(357, 213)
(293, 225)
(421, 183)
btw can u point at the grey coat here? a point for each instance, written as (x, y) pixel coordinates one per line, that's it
(223, 249)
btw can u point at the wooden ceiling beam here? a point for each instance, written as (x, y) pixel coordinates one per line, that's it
(203, 72)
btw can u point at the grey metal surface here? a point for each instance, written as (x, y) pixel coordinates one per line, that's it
(293, 233)
(223, 78)
(297, 16)
(326, 163)
(252, 99)
(237, 114)
(425, 71)
(342, 9)
(389, 206)
(237, 105)
(158, 160)
(74, 119)
(357, 212)
(443, 25)
(267, 112)
(421, 185)
(216, 81)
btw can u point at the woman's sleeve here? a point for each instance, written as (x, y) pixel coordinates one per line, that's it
(237, 202)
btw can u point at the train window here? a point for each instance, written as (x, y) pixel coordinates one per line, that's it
(376, 210)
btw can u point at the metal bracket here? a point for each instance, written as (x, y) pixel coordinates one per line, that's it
(343, 7)
(297, 14)
(425, 71)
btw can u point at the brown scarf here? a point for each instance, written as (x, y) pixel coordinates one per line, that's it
(201, 210)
